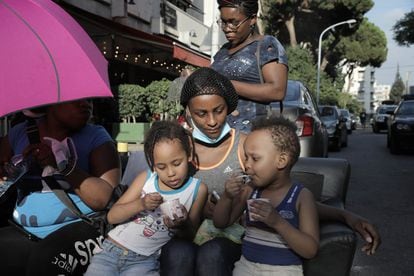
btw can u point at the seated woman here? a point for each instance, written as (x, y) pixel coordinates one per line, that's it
(208, 98)
(55, 240)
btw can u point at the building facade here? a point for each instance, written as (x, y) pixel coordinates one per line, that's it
(146, 40)
(360, 84)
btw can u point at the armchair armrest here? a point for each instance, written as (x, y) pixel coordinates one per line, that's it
(336, 251)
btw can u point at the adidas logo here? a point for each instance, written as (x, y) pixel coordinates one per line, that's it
(228, 170)
(66, 262)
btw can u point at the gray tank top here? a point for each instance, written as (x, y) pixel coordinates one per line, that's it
(215, 176)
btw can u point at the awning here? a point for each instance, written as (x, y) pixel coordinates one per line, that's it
(190, 56)
(169, 45)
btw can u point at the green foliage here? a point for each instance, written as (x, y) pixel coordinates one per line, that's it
(397, 88)
(312, 17)
(132, 102)
(302, 68)
(159, 105)
(367, 46)
(404, 30)
(149, 103)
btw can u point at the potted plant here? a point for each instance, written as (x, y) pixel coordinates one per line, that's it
(132, 106)
(162, 107)
(139, 106)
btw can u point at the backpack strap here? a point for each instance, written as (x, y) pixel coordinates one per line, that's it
(32, 132)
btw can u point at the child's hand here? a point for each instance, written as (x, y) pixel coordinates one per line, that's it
(151, 201)
(177, 220)
(234, 186)
(263, 211)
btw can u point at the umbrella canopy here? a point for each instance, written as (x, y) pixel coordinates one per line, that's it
(46, 57)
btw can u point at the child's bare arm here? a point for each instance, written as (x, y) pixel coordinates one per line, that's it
(231, 204)
(188, 227)
(131, 202)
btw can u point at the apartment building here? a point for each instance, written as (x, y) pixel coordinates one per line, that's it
(361, 84)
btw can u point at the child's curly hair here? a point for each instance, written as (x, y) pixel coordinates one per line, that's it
(283, 132)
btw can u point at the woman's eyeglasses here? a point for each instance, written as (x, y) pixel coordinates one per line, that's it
(232, 25)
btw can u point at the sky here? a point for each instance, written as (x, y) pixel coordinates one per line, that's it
(384, 15)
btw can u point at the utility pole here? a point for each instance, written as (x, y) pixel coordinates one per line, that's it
(349, 22)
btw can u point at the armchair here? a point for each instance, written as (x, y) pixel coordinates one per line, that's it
(328, 179)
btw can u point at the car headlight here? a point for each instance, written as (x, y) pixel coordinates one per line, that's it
(401, 126)
(380, 119)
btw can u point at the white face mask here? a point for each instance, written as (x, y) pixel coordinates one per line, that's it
(199, 135)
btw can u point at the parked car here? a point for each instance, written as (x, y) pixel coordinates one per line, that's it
(300, 107)
(335, 125)
(380, 118)
(345, 114)
(401, 127)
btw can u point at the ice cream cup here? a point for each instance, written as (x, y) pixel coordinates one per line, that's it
(246, 178)
(250, 201)
(171, 207)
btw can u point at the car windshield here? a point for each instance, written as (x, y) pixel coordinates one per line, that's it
(344, 112)
(292, 94)
(406, 108)
(384, 109)
(327, 112)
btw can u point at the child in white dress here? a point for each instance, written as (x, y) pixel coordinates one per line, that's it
(133, 246)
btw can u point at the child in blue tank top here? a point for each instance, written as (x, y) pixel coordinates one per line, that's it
(281, 217)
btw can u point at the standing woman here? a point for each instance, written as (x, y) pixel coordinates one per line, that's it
(256, 64)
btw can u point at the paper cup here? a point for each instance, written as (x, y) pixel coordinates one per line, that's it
(171, 207)
(249, 201)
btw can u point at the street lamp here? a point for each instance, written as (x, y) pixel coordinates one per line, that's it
(349, 21)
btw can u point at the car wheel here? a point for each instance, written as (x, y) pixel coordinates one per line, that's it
(337, 144)
(394, 149)
(345, 141)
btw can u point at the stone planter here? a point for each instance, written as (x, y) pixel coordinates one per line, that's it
(129, 132)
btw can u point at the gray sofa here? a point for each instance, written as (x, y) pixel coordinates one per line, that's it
(328, 179)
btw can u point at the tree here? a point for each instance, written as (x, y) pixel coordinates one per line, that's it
(301, 22)
(397, 88)
(302, 67)
(404, 30)
(367, 46)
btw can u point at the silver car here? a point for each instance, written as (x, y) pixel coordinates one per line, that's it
(300, 107)
(345, 114)
(380, 118)
(335, 125)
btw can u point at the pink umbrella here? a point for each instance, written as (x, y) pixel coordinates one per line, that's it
(46, 57)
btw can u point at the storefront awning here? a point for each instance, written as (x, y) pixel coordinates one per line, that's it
(189, 56)
(167, 44)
